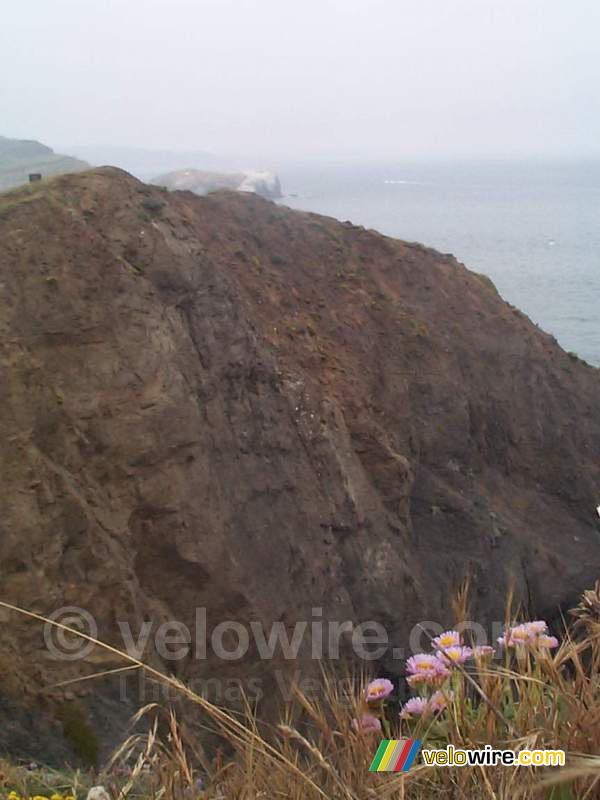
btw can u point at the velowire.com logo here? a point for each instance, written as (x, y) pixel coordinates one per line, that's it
(395, 755)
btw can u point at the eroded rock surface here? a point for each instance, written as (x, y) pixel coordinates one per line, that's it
(218, 402)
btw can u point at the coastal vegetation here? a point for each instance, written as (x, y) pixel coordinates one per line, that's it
(532, 690)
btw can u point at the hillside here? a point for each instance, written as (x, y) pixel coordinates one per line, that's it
(146, 164)
(20, 157)
(219, 402)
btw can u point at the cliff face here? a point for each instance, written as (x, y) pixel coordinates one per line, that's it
(218, 402)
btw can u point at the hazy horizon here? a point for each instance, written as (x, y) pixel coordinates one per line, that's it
(383, 79)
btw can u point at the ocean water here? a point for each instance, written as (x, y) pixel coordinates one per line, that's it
(533, 227)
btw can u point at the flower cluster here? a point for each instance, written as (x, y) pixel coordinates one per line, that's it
(532, 635)
(424, 706)
(432, 669)
(54, 796)
(435, 677)
(430, 673)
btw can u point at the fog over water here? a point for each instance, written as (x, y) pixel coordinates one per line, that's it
(332, 77)
(532, 226)
(469, 125)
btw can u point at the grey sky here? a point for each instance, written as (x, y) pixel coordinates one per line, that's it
(353, 77)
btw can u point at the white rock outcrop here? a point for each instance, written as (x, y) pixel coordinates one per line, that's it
(202, 182)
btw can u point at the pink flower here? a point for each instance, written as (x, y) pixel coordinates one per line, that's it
(549, 642)
(423, 663)
(455, 654)
(439, 701)
(519, 635)
(483, 650)
(415, 707)
(426, 668)
(378, 690)
(529, 634)
(448, 639)
(367, 724)
(537, 627)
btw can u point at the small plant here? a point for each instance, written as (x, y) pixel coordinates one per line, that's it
(79, 733)
(152, 206)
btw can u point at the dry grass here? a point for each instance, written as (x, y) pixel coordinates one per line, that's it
(531, 702)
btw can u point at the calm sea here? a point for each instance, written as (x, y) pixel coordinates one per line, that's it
(534, 228)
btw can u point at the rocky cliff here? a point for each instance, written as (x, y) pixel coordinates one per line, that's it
(218, 402)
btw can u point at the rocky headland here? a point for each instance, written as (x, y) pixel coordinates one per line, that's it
(219, 402)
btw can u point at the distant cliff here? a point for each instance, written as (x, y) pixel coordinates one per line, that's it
(20, 157)
(201, 182)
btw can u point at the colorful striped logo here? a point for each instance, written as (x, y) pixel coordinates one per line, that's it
(395, 755)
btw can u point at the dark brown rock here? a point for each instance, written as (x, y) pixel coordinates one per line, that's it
(220, 402)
